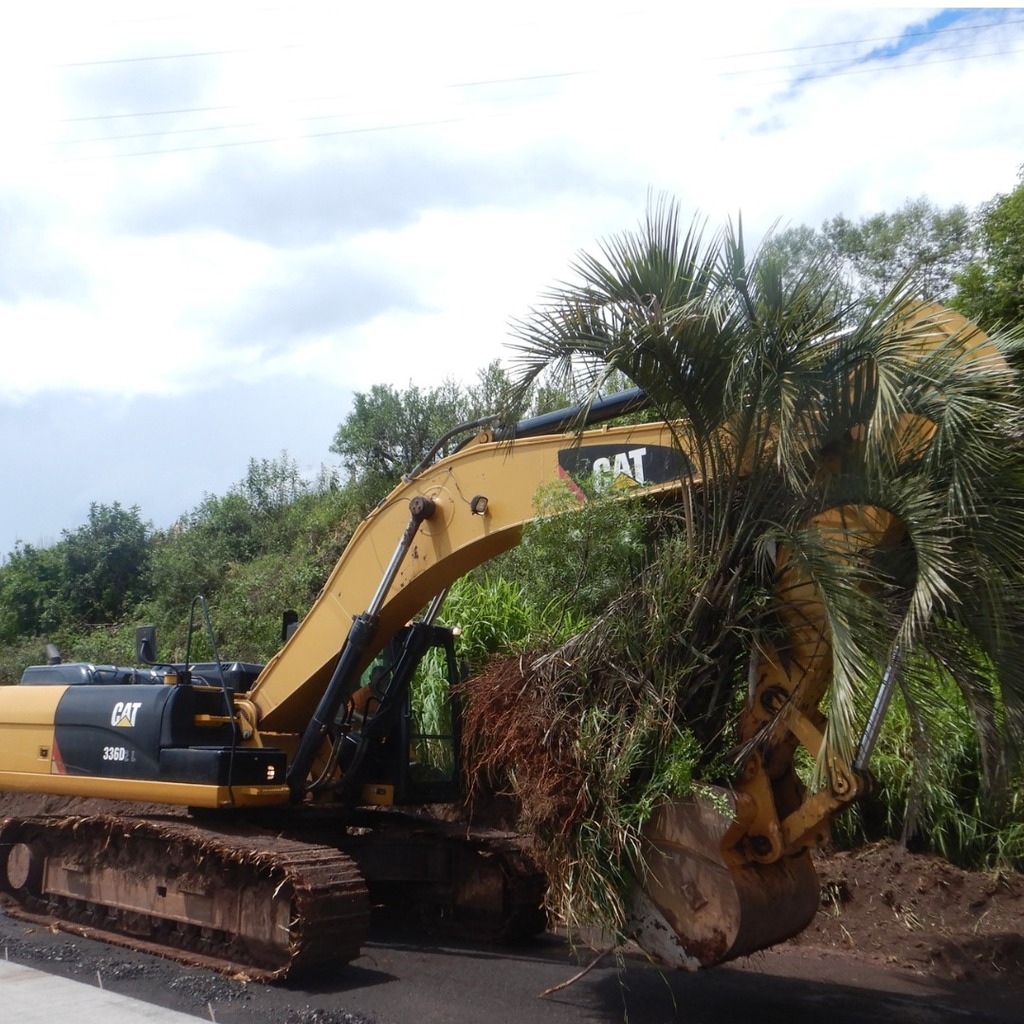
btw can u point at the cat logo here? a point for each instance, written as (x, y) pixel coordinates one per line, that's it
(620, 469)
(124, 713)
(606, 466)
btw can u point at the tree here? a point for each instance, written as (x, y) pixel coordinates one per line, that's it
(271, 485)
(389, 432)
(274, 515)
(920, 242)
(29, 581)
(194, 555)
(769, 376)
(95, 574)
(839, 465)
(991, 288)
(105, 565)
(489, 394)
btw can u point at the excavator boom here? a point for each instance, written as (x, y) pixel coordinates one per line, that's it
(479, 500)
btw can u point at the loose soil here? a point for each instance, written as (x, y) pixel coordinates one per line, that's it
(886, 906)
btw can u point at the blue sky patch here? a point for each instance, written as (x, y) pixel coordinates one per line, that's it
(930, 32)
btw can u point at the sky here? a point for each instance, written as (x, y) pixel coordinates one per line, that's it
(219, 220)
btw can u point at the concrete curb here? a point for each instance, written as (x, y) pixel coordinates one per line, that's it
(29, 996)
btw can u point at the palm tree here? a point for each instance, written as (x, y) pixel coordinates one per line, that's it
(866, 462)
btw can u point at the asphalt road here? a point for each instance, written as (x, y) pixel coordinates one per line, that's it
(402, 979)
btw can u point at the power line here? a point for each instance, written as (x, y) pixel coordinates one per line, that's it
(925, 34)
(890, 67)
(846, 61)
(174, 56)
(315, 99)
(429, 122)
(877, 64)
(189, 55)
(280, 138)
(506, 80)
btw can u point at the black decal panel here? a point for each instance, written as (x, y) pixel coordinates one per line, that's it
(607, 465)
(150, 732)
(113, 731)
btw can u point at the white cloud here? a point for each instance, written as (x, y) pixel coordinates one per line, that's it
(207, 198)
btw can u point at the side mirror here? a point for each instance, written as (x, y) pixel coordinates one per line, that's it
(145, 645)
(289, 623)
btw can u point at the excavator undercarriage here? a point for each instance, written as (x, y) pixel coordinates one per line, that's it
(265, 902)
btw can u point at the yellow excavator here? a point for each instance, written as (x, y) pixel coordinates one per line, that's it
(293, 771)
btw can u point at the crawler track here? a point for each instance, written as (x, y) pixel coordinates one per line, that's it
(236, 900)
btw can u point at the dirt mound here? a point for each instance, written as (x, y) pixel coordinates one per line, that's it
(884, 905)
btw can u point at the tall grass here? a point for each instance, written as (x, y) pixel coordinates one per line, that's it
(928, 793)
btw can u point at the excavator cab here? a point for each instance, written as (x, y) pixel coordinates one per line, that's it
(416, 758)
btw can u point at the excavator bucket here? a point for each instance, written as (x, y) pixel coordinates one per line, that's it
(698, 904)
